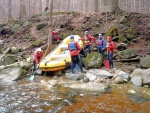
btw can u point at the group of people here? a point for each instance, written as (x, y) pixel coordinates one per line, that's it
(88, 40)
(74, 48)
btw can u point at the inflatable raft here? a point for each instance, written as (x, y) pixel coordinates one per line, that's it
(59, 57)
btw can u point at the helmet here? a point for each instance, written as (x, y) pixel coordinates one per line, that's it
(109, 37)
(86, 31)
(39, 49)
(72, 37)
(57, 30)
(100, 35)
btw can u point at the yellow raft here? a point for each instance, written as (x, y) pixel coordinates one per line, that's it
(59, 57)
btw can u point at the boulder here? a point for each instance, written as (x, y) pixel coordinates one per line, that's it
(137, 81)
(126, 54)
(121, 46)
(144, 74)
(118, 80)
(100, 73)
(93, 60)
(90, 86)
(76, 76)
(8, 59)
(14, 50)
(124, 76)
(40, 26)
(37, 43)
(91, 77)
(10, 74)
(145, 62)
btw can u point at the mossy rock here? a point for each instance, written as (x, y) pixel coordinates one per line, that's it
(126, 54)
(93, 60)
(37, 43)
(113, 31)
(8, 59)
(40, 26)
(16, 27)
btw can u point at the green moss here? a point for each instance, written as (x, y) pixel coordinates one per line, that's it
(40, 26)
(113, 31)
(121, 37)
(37, 43)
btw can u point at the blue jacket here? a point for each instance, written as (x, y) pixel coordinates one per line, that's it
(72, 46)
(103, 45)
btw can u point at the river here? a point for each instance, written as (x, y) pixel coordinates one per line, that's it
(24, 96)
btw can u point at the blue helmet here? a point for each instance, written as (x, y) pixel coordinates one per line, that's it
(72, 37)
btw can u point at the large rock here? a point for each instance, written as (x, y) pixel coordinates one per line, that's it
(8, 59)
(93, 60)
(98, 87)
(100, 73)
(121, 46)
(10, 74)
(76, 76)
(126, 54)
(145, 62)
(144, 74)
(137, 81)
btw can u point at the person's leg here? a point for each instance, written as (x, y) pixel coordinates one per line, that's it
(34, 65)
(89, 48)
(73, 62)
(110, 58)
(79, 63)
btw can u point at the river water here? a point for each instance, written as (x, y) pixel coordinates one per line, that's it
(30, 97)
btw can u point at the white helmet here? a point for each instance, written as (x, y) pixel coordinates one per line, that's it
(57, 30)
(39, 49)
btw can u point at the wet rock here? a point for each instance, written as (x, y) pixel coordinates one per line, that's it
(144, 74)
(126, 54)
(124, 76)
(137, 97)
(10, 74)
(93, 60)
(137, 81)
(75, 76)
(91, 77)
(118, 80)
(100, 73)
(90, 86)
(145, 62)
(121, 46)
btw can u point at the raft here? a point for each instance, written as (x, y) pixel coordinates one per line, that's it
(59, 58)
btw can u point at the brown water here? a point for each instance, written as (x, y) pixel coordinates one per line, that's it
(26, 97)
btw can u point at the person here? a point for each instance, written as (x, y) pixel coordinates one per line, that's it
(38, 56)
(74, 49)
(110, 50)
(101, 44)
(88, 40)
(55, 36)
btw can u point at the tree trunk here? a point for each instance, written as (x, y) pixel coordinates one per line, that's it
(50, 30)
(9, 9)
(22, 8)
(115, 7)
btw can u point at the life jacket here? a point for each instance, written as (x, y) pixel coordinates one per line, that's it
(72, 46)
(99, 42)
(54, 35)
(87, 41)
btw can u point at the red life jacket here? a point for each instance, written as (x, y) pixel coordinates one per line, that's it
(99, 42)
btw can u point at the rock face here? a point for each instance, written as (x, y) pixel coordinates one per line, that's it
(121, 46)
(125, 54)
(144, 74)
(145, 62)
(93, 60)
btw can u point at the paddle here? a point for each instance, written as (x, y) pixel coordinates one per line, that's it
(32, 76)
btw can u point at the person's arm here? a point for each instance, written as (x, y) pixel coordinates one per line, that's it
(78, 46)
(36, 58)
